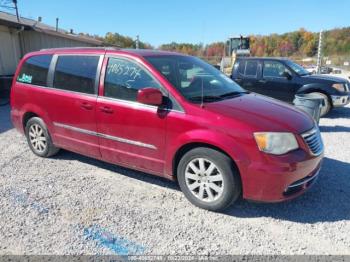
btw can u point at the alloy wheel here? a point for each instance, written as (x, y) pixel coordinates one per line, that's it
(37, 138)
(204, 179)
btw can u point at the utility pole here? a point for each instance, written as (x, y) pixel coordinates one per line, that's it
(137, 42)
(319, 53)
(57, 24)
(16, 8)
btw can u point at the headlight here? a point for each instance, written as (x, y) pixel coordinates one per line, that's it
(276, 143)
(339, 87)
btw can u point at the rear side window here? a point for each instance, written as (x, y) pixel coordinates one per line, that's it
(251, 68)
(76, 73)
(241, 67)
(34, 70)
(125, 78)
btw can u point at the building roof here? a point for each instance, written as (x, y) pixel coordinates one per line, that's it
(10, 20)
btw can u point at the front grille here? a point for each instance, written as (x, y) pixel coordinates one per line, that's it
(314, 141)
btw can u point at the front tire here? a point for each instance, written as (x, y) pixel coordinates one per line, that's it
(39, 139)
(208, 179)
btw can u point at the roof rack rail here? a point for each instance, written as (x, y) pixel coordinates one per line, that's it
(106, 48)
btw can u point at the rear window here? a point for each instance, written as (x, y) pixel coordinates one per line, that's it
(34, 70)
(76, 73)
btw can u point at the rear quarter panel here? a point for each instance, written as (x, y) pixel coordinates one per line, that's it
(23, 98)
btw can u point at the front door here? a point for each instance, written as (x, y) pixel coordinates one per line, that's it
(275, 84)
(130, 133)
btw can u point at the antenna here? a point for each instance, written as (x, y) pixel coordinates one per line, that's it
(57, 19)
(202, 98)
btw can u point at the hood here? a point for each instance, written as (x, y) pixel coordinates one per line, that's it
(262, 113)
(324, 79)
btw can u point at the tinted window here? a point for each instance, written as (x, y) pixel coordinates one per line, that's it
(76, 73)
(274, 69)
(124, 78)
(251, 68)
(34, 70)
(241, 67)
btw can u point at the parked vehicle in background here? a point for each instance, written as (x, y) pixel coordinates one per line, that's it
(311, 69)
(170, 115)
(338, 72)
(326, 70)
(282, 79)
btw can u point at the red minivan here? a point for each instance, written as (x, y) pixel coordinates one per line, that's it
(167, 114)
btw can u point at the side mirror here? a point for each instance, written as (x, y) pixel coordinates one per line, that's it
(150, 96)
(287, 75)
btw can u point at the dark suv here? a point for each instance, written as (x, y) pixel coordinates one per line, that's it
(282, 79)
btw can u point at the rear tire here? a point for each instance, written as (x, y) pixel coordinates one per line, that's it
(209, 179)
(39, 139)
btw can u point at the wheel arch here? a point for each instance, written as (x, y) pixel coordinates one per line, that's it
(26, 116)
(191, 145)
(31, 110)
(319, 88)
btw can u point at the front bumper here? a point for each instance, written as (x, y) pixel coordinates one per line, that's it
(271, 178)
(281, 180)
(339, 101)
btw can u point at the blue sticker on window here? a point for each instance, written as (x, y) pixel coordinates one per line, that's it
(25, 79)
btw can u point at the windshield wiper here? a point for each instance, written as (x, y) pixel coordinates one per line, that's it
(233, 94)
(205, 98)
(305, 74)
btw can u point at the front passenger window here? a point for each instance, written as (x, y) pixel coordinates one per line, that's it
(124, 79)
(274, 69)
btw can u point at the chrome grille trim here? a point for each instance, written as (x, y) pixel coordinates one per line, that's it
(314, 142)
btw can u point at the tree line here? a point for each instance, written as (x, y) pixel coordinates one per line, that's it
(301, 43)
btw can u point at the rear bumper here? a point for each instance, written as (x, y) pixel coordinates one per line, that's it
(281, 181)
(17, 120)
(339, 101)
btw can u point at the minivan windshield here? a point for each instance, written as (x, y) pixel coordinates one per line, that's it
(196, 80)
(297, 68)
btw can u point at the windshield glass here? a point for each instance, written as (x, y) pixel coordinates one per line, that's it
(195, 79)
(297, 68)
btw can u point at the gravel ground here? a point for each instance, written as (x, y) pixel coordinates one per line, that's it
(71, 204)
